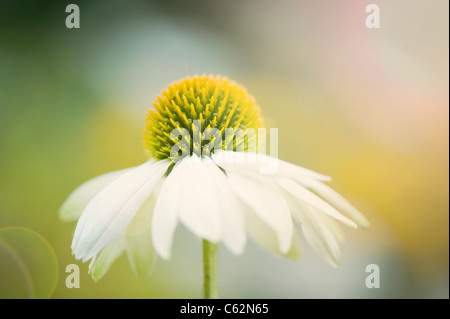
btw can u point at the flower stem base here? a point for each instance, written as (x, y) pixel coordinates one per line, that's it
(210, 260)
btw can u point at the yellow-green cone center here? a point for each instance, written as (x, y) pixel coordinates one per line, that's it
(195, 113)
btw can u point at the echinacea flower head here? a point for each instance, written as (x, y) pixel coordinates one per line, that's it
(204, 172)
(199, 105)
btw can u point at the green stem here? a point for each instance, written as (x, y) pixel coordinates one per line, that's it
(210, 270)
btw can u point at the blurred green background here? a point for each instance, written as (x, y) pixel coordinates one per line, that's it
(368, 107)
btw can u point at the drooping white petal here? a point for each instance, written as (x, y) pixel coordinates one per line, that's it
(262, 195)
(254, 162)
(317, 233)
(199, 209)
(334, 227)
(103, 261)
(166, 213)
(139, 239)
(267, 237)
(234, 236)
(320, 237)
(111, 210)
(77, 201)
(337, 201)
(310, 198)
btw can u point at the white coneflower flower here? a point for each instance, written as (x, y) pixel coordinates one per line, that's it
(218, 194)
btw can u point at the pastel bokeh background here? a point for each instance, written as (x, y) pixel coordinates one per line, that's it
(368, 107)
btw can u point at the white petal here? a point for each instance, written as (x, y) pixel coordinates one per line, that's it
(111, 210)
(199, 210)
(254, 162)
(82, 195)
(319, 236)
(166, 212)
(310, 198)
(316, 231)
(337, 201)
(262, 195)
(234, 236)
(139, 239)
(266, 237)
(333, 226)
(103, 261)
